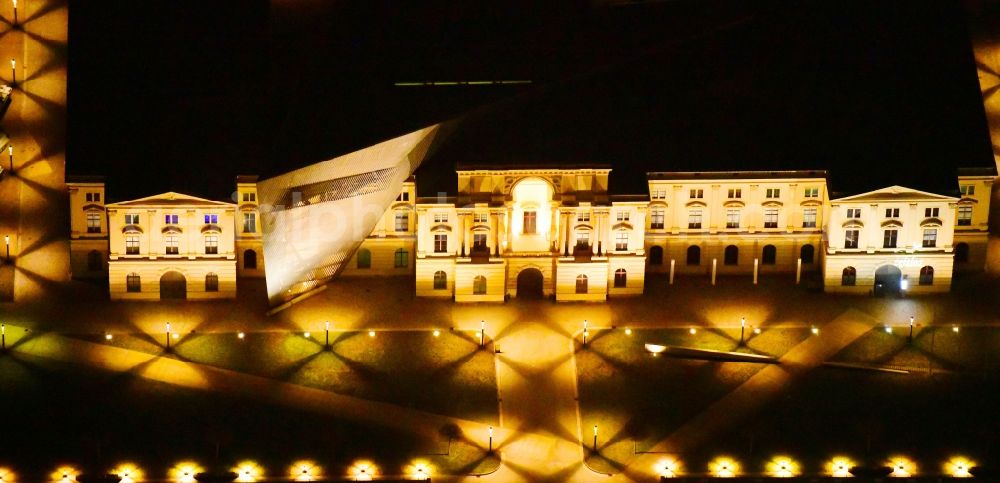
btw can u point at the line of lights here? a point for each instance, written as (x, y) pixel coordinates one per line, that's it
(838, 467)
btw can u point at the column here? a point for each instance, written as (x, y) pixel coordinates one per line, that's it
(423, 227)
(495, 231)
(553, 226)
(509, 228)
(460, 232)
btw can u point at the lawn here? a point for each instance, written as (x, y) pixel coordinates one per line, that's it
(55, 414)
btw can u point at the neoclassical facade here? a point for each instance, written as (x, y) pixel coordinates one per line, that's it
(972, 231)
(390, 248)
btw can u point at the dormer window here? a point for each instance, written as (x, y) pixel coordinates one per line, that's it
(211, 219)
(170, 219)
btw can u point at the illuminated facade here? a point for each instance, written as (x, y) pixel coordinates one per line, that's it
(249, 245)
(390, 248)
(530, 232)
(735, 222)
(975, 187)
(88, 232)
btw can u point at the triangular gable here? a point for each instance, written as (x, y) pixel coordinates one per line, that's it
(171, 198)
(895, 193)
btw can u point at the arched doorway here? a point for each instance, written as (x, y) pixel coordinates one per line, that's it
(173, 286)
(529, 283)
(250, 260)
(808, 254)
(961, 253)
(732, 255)
(656, 255)
(887, 278)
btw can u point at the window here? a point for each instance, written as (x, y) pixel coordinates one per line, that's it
(658, 194)
(770, 255)
(849, 276)
(211, 282)
(402, 221)
(440, 218)
(529, 222)
(854, 212)
(694, 255)
(851, 238)
(583, 217)
(773, 193)
(440, 243)
(807, 254)
(479, 241)
(97, 197)
(479, 285)
(656, 220)
(771, 218)
(364, 258)
(621, 241)
(90, 197)
(401, 258)
(732, 218)
(583, 239)
(964, 215)
(479, 217)
(211, 219)
(133, 283)
(93, 222)
(811, 193)
(440, 280)
(809, 218)
(889, 238)
(930, 238)
(927, 275)
(404, 196)
(131, 245)
(581, 283)
(622, 216)
(132, 219)
(248, 197)
(967, 189)
(249, 222)
(697, 194)
(731, 256)
(694, 219)
(735, 193)
(931, 212)
(171, 245)
(892, 212)
(250, 260)
(211, 244)
(621, 278)
(170, 219)
(94, 261)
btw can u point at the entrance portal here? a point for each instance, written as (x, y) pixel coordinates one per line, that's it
(529, 283)
(887, 280)
(173, 286)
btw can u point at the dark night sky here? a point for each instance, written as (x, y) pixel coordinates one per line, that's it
(184, 95)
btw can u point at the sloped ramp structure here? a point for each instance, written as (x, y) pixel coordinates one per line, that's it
(314, 218)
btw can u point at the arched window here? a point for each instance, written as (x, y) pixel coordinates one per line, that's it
(927, 275)
(250, 259)
(770, 255)
(808, 254)
(94, 261)
(402, 258)
(732, 255)
(364, 258)
(440, 280)
(849, 276)
(211, 282)
(621, 278)
(961, 253)
(694, 255)
(133, 283)
(581, 283)
(479, 285)
(656, 255)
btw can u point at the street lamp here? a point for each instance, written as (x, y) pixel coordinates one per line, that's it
(13, 71)
(482, 333)
(6, 241)
(743, 326)
(910, 337)
(15, 11)
(3, 336)
(595, 438)
(586, 332)
(10, 155)
(491, 438)
(328, 334)
(168, 335)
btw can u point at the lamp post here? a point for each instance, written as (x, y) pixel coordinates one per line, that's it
(168, 336)
(13, 71)
(595, 438)
(586, 332)
(482, 334)
(328, 334)
(491, 439)
(15, 11)
(6, 241)
(743, 326)
(3, 336)
(10, 156)
(910, 337)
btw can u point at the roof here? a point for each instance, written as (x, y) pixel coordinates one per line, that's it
(689, 175)
(171, 198)
(246, 178)
(84, 179)
(895, 193)
(978, 172)
(533, 167)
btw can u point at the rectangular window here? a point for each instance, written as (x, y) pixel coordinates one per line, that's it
(622, 216)
(211, 219)
(583, 217)
(697, 194)
(621, 241)
(659, 194)
(93, 222)
(479, 218)
(773, 193)
(656, 220)
(851, 238)
(812, 193)
(889, 238)
(964, 215)
(402, 221)
(931, 212)
(171, 245)
(694, 219)
(967, 189)
(440, 243)
(90, 197)
(930, 238)
(583, 239)
(771, 218)
(401, 259)
(440, 218)
(735, 193)
(809, 218)
(479, 241)
(170, 219)
(854, 212)
(132, 245)
(211, 244)
(404, 196)
(892, 212)
(529, 222)
(249, 222)
(732, 218)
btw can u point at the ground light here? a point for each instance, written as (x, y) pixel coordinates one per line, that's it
(756, 330)
(128, 472)
(782, 467)
(7, 476)
(307, 335)
(958, 467)
(815, 330)
(954, 328)
(667, 468)
(724, 467)
(108, 336)
(305, 470)
(437, 333)
(184, 472)
(64, 474)
(628, 331)
(692, 331)
(419, 470)
(241, 335)
(248, 471)
(371, 333)
(888, 329)
(902, 467)
(363, 471)
(840, 467)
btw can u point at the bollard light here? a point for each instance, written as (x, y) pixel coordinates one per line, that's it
(307, 335)
(954, 329)
(840, 467)
(304, 470)
(108, 336)
(958, 467)
(437, 333)
(693, 331)
(667, 468)
(888, 329)
(724, 467)
(902, 467)
(241, 335)
(756, 330)
(815, 330)
(628, 331)
(371, 333)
